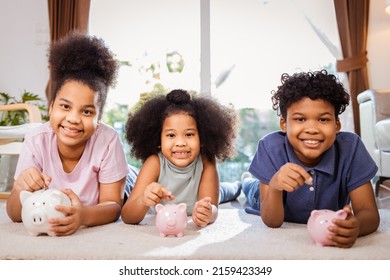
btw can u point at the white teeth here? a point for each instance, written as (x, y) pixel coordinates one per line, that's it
(311, 141)
(71, 130)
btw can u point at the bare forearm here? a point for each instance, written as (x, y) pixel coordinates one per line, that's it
(100, 214)
(368, 221)
(14, 206)
(272, 211)
(133, 212)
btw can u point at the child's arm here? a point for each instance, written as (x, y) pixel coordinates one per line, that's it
(106, 211)
(364, 219)
(146, 193)
(205, 210)
(31, 180)
(288, 178)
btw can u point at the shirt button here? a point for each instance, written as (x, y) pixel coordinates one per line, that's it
(311, 188)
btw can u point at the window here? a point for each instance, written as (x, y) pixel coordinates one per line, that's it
(251, 43)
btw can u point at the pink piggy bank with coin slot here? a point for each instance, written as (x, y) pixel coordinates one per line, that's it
(171, 219)
(39, 207)
(318, 224)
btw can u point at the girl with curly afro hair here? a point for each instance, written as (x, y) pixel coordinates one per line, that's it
(311, 164)
(179, 139)
(75, 152)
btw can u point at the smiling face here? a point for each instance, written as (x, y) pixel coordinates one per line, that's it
(311, 127)
(180, 142)
(73, 116)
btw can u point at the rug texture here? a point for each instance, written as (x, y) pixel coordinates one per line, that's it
(235, 235)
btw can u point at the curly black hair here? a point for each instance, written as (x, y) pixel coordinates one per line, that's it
(216, 124)
(315, 85)
(86, 59)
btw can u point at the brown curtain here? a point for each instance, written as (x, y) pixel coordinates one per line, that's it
(352, 22)
(65, 16)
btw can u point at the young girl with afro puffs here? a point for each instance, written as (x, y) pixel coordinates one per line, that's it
(179, 139)
(311, 164)
(75, 152)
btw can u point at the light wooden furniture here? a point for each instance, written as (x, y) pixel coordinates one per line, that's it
(11, 137)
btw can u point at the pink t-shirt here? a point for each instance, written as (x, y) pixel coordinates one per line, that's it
(103, 161)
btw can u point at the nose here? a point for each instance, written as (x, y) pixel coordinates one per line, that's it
(37, 219)
(171, 221)
(73, 117)
(311, 127)
(180, 142)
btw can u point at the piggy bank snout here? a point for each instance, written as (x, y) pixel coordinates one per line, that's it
(171, 220)
(38, 218)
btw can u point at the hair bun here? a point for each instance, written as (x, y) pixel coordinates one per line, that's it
(178, 96)
(80, 55)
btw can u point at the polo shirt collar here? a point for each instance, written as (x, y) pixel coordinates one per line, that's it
(326, 165)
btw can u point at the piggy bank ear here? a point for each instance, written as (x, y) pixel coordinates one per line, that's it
(314, 214)
(56, 196)
(182, 207)
(159, 207)
(341, 214)
(24, 195)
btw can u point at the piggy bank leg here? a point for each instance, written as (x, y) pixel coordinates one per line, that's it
(180, 234)
(51, 233)
(33, 233)
(162, 234)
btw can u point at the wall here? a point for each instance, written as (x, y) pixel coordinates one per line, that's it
(24, 30)
(378, 45)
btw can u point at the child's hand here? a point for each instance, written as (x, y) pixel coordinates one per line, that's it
(31, 179)
(290, 177)
(154, 193)
(73, 220)
(345, 232)
(202, 212)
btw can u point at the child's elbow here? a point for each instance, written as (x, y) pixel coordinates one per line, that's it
(272, 223)
(375, 222)
(129, 219)
(14, 215)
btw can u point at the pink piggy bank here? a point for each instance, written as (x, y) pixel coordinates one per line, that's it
(39, 206)
(318, 224)
(171, 219)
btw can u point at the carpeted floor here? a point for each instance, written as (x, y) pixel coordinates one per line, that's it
(235, 235)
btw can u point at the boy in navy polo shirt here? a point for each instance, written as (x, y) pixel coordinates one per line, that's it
(310, 164)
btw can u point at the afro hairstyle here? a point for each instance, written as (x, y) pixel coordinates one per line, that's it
(314, 85)
(85, 59)
(216, 124)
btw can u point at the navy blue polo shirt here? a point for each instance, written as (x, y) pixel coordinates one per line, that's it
(346, 166)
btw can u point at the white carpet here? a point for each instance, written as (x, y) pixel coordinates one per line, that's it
(235, 235)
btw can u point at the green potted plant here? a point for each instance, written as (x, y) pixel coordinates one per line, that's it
(13, 118)
(18, 117)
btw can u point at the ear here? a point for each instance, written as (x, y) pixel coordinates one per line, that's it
(182, 207)
(24, 195)
(283, 124)
(159, 207)
(341, 214)
(338, 125)
(51, 107)
(314, 214)
(57, 196)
